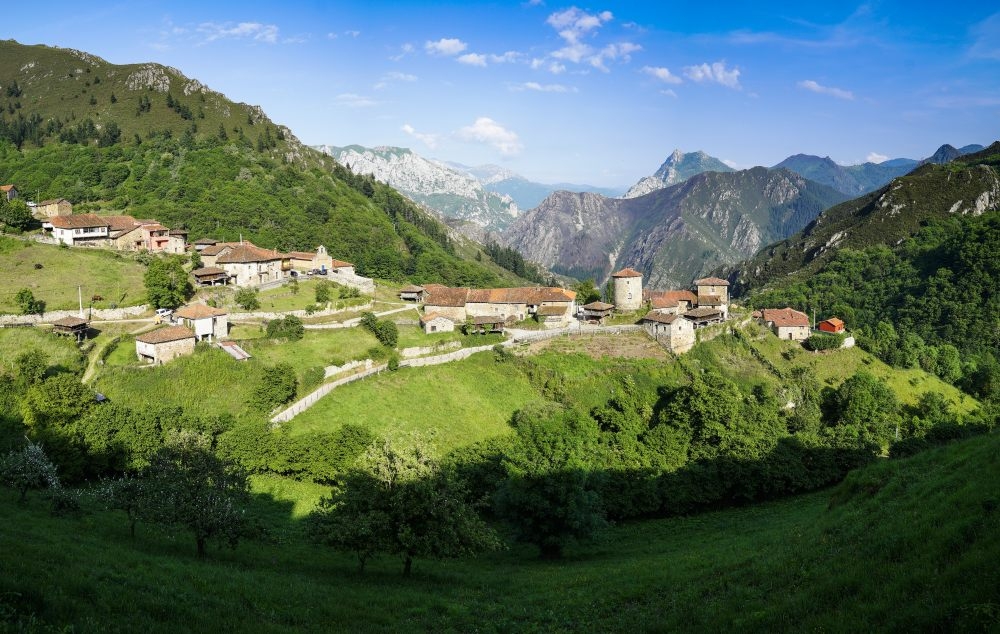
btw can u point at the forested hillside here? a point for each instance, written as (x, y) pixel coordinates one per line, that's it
(912, 269)
(147, 141)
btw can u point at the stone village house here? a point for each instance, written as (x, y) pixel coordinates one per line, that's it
(165, 344)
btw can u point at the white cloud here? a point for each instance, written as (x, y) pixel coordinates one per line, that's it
(839, 93)
(537, 87)
(732, 164)
(400, 76)
(573, 23)
(430, 140)
(505, 58)
(663, 74)
(669, 92)
(352, 33)
(714, 73)
(351, 100)
(875, 157)
(445, 46)
(255, 31)
(472, 59)
(488, 131)
(621, 51)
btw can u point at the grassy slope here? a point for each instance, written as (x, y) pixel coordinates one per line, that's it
(118, 279)
(61, 351)
(909, 544)
(463, 402)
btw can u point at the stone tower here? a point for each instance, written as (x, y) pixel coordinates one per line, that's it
(628, 289)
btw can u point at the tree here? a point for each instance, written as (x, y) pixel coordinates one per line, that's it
(549, 495)
(288, 327)
(246, 298)
(29, 305)
(587, 291)
(28, 469)
(15, 214)
(195, 259)
(276, 386)
(167, 283)
(324, 291)
(31, 366)
(127, 494)
(400, 501)
(865, 411)
(192, 488)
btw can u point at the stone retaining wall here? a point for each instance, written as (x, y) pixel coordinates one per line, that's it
(97, 314)
(408, 353)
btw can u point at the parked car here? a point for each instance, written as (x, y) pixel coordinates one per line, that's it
(164, 314)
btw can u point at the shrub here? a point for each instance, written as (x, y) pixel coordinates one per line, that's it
(824, 341)
(289, 327)
(246, 298)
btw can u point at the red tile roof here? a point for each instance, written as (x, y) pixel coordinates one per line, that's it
(245, 253)
(52, 201)
(705, 311)
(121, 223)
(79, 221)
(627, 272)
(6, 188)
(340, 264)
(429, 317)
(671, 299)
(412, 288)
(551, 311)
(301, 255)
(206, 241)
(199, 311)
(444, 296)
(598, 306)
(711, 281)
(785, 317)
(164, 335)
(709, 300)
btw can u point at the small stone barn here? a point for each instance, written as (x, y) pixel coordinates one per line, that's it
(787, 323)
(436, 322)
(676, 332)
(704, 316)
(162, 345)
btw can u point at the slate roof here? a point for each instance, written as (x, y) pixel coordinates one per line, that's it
(552, 311)
(165, 335)
(662, 318)
(69, 322)
(485, 320)
(412, 288)
(785, 317)
(79, 221)
(627, 272)
(711, 281)
(703, 312)
(206, 271)
(199, 311)
(206, 241)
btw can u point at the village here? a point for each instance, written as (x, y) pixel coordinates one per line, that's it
(675, 319)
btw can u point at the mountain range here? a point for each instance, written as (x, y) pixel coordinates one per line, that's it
(526, 193)
(970, 187)
(671, 235)
(678, 167)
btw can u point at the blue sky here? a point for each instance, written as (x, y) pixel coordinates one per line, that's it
(586, 93)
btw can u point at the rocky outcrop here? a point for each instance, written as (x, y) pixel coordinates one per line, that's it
(678, 167)
(451, 194)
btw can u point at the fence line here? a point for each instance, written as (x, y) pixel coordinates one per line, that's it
(310, 399)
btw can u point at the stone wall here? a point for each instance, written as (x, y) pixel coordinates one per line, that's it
(409, 353)
(97, 314)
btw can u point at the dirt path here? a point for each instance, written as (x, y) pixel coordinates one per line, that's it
(95, 354)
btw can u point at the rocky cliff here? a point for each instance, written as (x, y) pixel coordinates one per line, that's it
(674, 234)
(678, 167)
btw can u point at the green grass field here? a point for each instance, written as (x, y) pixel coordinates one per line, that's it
(907, 545)
(317, 349)
(207, 383)
(62, 352)
(462, 402)
(116, 278)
